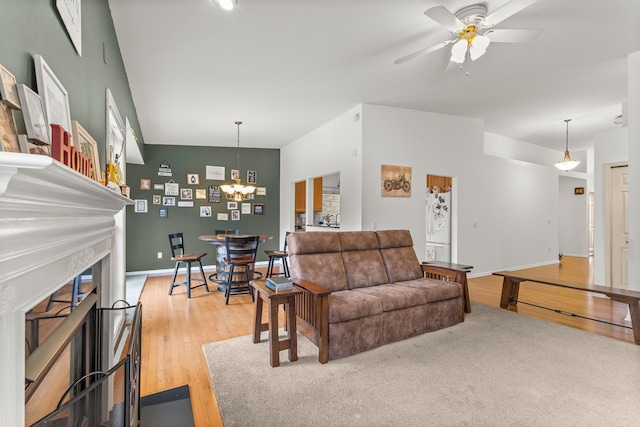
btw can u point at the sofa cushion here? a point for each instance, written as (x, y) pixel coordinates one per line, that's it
(400, 260)
(362, 260)
(396, 297)
(349, 305)
(316, 256)
(436, 290)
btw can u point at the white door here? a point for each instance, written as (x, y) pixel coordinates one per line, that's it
(619, 226)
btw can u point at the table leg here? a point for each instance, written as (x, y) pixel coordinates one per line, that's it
(274, 343)
(510, 290)
(257, 320)
(634, 312)
(465, 291)
(290, 311)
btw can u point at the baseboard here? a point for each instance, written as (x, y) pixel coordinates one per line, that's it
(206, 268)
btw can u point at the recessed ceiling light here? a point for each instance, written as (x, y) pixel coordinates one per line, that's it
(227, 4)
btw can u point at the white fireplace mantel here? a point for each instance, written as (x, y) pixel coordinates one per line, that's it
(54, 224)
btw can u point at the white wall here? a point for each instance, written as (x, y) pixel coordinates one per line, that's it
(573, 217)
(507, 210)
(334, 147)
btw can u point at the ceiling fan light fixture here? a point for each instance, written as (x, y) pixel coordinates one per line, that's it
(459, 51)
(478, 47)
(567, 162)
(227, 4)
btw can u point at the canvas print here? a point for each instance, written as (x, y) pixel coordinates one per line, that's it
(395, 181)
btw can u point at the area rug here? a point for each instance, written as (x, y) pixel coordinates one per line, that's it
(498, 368)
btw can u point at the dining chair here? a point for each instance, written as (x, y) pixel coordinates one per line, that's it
(76, 294)
(281, 256)
(241, 253)
(178, 255)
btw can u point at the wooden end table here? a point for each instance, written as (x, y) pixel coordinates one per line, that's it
(460, 276)
(273, 300)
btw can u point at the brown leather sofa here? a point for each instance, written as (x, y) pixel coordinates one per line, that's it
(363, 289)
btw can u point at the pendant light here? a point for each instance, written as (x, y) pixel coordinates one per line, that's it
(238, 192)
(567, 163)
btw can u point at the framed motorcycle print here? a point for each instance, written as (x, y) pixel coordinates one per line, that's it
(395, 181)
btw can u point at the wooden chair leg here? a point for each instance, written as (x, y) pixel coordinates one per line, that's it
(173, 280)
(227, 292)
(204, 279)
(285, 267)
(270, 267)
(188, 280)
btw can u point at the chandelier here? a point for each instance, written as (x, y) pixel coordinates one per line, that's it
(567, 163)
(238, 192)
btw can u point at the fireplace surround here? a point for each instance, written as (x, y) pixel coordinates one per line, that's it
(55, 223)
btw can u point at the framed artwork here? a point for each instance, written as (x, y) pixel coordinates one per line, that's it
(163, 213)
(168, 201)
(115, 132)
(140, 206)
(33, 113)
(171, 189)
(258, 208)
(43, 150)
(193, 178)
(252, 177)
(54, 96)
(158, 187)
(205, 211)
(71, 14)
(145, 184)
(214, 194)
(261, 191)
(214, 173)
(157, 199)
(220, 216)
(395, 181)
(8, 135)
(232, 205)
(186, 194)
(185, 204)
(88, 146)
(201, 193)
(235, 215)
(8, 90)
(245, 208)
(235, 174)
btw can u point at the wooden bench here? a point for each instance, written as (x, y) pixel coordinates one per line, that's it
(511, 287)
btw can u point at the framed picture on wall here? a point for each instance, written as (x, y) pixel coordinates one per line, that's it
(235, 215)
(252, 177)
(145, 184)
(157, 199)
(141, 206)
(8, 135)
(258, 208)
(193, 178)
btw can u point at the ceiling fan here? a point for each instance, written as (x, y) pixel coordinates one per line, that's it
(473, 30)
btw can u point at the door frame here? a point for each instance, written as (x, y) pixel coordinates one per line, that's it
(608, 217)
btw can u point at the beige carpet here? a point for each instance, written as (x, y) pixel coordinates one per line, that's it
(498, 368)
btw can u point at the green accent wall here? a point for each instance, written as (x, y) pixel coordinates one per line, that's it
(147, 233)
(34, 27)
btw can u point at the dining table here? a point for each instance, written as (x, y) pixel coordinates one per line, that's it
(221, 276)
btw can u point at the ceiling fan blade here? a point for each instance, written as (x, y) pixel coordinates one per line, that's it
(423, 52)
(444, 17)
(512, 36)
(502, 13)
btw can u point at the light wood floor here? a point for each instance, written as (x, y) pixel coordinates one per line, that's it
(175, 328)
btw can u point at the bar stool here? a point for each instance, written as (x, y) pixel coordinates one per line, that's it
(241, 252)
(76, 294)
(176, 241)
(279, 255)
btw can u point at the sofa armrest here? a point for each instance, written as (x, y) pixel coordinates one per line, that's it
(312, 310)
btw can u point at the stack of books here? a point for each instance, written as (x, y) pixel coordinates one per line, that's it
(279, 284)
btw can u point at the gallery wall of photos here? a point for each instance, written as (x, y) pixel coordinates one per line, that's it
(178, 190)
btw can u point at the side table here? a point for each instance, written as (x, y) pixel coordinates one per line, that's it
(273, 300)
(459, 275)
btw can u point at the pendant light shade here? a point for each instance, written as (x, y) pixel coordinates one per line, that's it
(236, 191)
(567, 162)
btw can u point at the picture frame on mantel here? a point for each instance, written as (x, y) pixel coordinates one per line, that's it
(8, 91)
(88, 146)
(54, 96)
(35, 120)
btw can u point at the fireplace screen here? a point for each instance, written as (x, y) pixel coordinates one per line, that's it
(93, 397)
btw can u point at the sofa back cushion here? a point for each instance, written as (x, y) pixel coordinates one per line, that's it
(400, 260)
(315, 256)
(362, 260)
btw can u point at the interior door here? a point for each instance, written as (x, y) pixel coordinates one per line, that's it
(619, 185)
